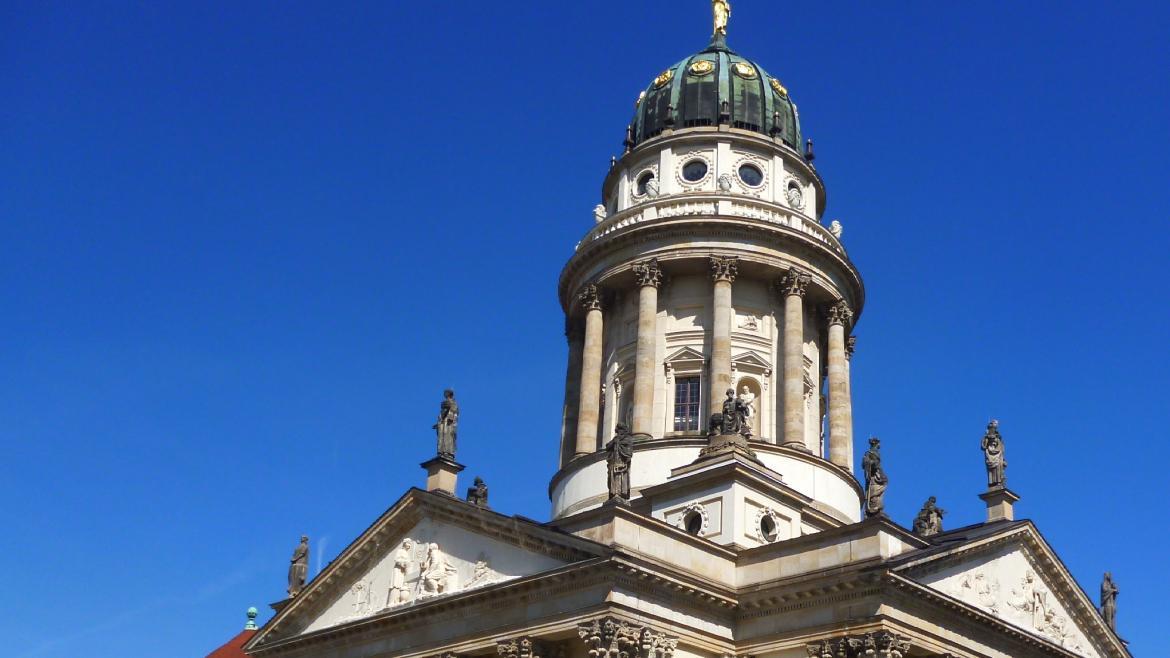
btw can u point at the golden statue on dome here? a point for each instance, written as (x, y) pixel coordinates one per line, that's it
(722, 11)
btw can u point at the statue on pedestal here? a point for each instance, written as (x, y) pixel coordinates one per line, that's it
(447, 425)
(298, 568)
(875, 479)
(478, 493)
(929, 519)
(734, 418)
(1109, 601)
(620, 452)
(749, 414)
(993, 456)
(722, 11)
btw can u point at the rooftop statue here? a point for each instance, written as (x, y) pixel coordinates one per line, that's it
(620, 452)
(929, 520)
(993, 456)
(1109, 601)
(875, 479)
(722, 11)
(445, 428)
(298, 567)
(478, 494)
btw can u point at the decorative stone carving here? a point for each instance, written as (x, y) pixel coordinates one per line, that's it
(647, 273)
(881, 644)
(794, 283)
(652, 188)
(993, 456)
(522, 647)
(437, 574)
(399, 592)
(929, 520)
(749, 322)
(841, 314)
(599, 213)
(477, 494)
(447, 425)
(875, 479)
(590, 298)
(761, 533)
(482, 574)
(619, 454)
(1031, 599)
(836, 229)
(850, 346)
(724, 182)
(1109, 593)
(615, 638)
(298, 568)
(978, 587)
(360, 598)
(699, 510)
(724, 268)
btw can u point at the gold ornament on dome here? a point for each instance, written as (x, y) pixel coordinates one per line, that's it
(663, 78)
(745, 70)
(721, 9)
(701, 67)
(779, 88)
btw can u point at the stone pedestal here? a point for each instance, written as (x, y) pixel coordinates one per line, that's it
(999, 504)
(442, 474)
(724, 444)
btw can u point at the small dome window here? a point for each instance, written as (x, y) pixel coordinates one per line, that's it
(768, 528)
(694, 171)
(643, 180)
(751, 175)
(693, 522)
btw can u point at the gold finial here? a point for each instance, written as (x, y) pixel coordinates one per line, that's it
(722, 11)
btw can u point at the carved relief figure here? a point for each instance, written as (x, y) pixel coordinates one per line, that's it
(982, 590)
(1109, 601)
(929, 519)
(1031, 599)
(447, 425)
(875, 479)
(436, 571)
(360, 593)
(993, 456)
(619, 454)
(478, 493)
(298, 567)
(482, 575)
(399, 592)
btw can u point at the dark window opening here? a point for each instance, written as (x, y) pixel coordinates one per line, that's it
(686, 404)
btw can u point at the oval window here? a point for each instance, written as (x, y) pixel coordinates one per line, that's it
(768, 528)
(751, 175)
(694, 171)
(643, 181)
(693, 522)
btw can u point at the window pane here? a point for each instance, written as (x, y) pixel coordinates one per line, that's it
(686, 404)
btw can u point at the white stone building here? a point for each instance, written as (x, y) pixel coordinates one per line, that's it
(708, 269)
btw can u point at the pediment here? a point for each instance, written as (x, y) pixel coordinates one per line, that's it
(1015, 576)
(684, 355)
(428, 546)
(750, 360)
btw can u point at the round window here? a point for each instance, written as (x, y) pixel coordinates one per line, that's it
(693, 522)
(643, 181)
(751, 175)
(694, 171)
(768, 528)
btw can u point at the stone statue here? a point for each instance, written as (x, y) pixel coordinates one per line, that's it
(1109, 601)
(875, 479)
(478, 493)
(749, 414)
(929, 520)
(399, 592)
(993, 456)
(722, 11)
(619, 451)
(836, 229)
(599, 213)
(734, 416)
(298, 568)
(652, 188)
(724, 182)
(447, 425)
(436, 572)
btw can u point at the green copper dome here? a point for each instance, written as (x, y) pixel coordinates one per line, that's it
(713, 87)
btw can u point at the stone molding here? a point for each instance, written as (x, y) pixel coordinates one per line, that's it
(724, 268)
(609, 637)
(881, 644)
(647, 273)
(590, 298)
(795, 282)
(841, 314)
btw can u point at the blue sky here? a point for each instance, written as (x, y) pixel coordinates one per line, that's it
(246, 245)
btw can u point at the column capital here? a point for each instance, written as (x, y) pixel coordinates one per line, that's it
(850, 346)
(521, 647)
(881, 644)
(648, 273)
(724, 268)
(840, 313)
(610, 637)
(794, 282)
(590, 298)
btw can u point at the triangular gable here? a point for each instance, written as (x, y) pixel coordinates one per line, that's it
(426, 546)
(685, 354)
(750, 359)
(1013, 574)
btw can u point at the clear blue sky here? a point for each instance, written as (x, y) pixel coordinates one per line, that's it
(246, 245)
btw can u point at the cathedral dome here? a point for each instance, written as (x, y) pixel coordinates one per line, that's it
(712, 87)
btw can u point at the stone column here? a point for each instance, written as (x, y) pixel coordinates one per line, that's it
(590, 403)
(573, 333)
(723, 271)
(840, 408)
(792, 287)
(648, 279)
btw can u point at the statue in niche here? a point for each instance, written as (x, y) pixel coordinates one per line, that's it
(298, 568)
(749, 413)
(477, 494)
(399, 592)
(993, 456)
(619, 454)
(436, 572)
(734, 415)
(1109, 601)
(929, 520)
(447, 425)
(875, 479)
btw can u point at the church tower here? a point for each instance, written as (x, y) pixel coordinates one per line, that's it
(705, 504)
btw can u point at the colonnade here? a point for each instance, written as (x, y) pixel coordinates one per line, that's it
(587, 359)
